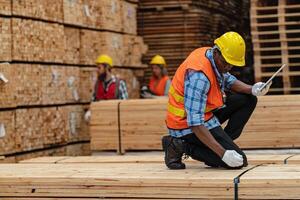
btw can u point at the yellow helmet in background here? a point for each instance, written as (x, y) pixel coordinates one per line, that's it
(158, 60)
(104, 59)
(233, 48)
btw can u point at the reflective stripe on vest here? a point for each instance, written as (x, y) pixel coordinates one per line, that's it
(180, 99)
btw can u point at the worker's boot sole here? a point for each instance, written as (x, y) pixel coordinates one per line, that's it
(175, 162)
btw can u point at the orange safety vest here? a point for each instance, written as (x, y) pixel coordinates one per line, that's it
(158, 86)
(197, 60)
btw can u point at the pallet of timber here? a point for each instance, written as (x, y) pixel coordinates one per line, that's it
(72, 37)
(5, 7)
(8, 90)
(104, 128)
(276, 40)
(77, 127)
(28, 135)
(53, 80)
(253, 159)
(104, 14)
(134, 49)
(7, 139)
(53, 130)
(130, 78)
(72, 78)
(88, 78)
(274, 123)
(37, 41)
(28, 89)
(129, 17)
(94, 43)
(142, 181)
(5, 39)
(39, 9)
(140, 127)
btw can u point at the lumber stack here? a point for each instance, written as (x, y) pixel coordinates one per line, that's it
(51, 48)
(275, 36)
(174, 28)
(104, 127)
(7, 131)
(146, 180)
(140, 124)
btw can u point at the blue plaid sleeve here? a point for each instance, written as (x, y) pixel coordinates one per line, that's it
(229, 80)
(123, 90)
(196, 87)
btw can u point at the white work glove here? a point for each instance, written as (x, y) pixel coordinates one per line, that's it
(87, 116)
(232, 158)
(256, 89)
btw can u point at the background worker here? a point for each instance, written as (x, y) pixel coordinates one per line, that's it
(107, 85)
(198, 106)
(159, 82)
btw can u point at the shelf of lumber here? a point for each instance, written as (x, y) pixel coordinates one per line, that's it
(274, 124)
(146, 180)
(253, 159)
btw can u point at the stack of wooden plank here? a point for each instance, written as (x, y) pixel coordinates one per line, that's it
(7, 130)
(39, 9)
(8, 90)
(140, 124)
(147, 180)
(5, 39)
(275, 36)
(37, 41)
(174, 28)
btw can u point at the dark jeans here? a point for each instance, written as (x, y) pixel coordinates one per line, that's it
(238, 110)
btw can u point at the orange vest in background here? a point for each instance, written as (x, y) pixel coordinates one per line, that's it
(158, 86)
(197, 60)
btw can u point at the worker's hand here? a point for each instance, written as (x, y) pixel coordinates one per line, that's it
(87, 116)
(257, 91)
(232, 158)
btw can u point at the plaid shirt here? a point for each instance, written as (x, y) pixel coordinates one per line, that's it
(123, 94)
(196, 87)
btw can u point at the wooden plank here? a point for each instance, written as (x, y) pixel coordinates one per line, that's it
(253, 159)
(104, 126)
(294, 159)
(5, 7)
(8, 90)
(88, 78)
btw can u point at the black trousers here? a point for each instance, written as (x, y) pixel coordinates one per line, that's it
(238, 110)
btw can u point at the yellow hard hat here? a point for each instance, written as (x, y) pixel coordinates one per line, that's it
(232, 47)
(158, 60)
(104, 59)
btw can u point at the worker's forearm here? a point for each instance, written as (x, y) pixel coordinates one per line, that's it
(206, 138)
(240, 87)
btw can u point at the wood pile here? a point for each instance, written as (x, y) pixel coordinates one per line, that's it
(147, 180)
(104, 128)
(51, 72)
(39, 9)
(276, 36)
(7, 131)
(5, 39)
(8, 90)
(140, 124)
(174, 28)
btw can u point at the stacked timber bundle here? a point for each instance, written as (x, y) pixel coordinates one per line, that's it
(7, 132)
(276, 41)
(140, 124)
(174, 28)
(51, 48)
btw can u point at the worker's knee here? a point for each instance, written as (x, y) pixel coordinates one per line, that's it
(252, 100)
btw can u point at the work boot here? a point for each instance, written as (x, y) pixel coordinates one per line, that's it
(173, 148)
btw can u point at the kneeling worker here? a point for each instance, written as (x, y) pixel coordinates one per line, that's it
(197, 106)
